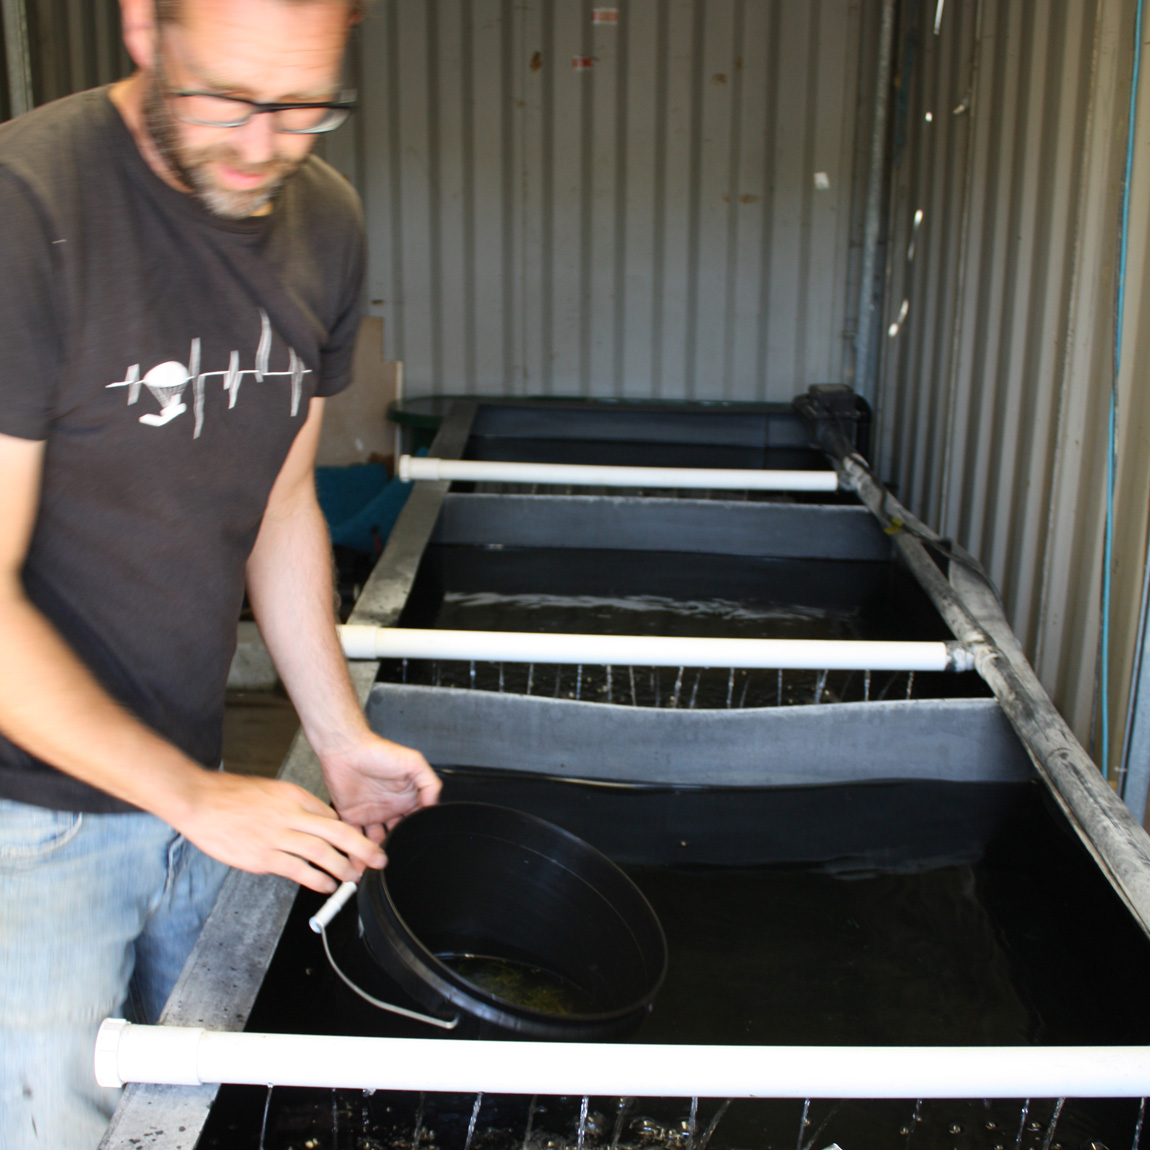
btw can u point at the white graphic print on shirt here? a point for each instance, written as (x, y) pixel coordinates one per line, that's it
(168, 381)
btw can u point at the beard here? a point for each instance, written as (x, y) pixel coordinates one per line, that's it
(193, 166)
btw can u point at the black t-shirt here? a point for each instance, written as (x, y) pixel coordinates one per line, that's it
(167, 357)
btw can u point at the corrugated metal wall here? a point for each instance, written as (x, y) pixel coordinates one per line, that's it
(557, 205)
(995, 388)
(5, 103)
(73, 45)
(649, 225)
(90, 51)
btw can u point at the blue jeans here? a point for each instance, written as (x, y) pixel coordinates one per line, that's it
(97, 915)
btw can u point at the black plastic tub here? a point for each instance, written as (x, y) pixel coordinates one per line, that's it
(513, 924)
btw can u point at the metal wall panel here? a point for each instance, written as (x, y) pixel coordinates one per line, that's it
(649, 226)
(71, 45)
(562, 206)
(75, 44)
(996, 380)
(5, 99)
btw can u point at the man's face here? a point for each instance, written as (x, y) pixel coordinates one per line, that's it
(263, 50)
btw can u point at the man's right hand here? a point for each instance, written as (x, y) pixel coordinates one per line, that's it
(261, 825)
(269, 826)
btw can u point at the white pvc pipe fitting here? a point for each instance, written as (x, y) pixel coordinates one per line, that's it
(363, 642)
(322, 917)
(590, 475)
(190, 1057)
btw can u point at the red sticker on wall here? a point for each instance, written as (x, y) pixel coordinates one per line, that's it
(604, 15)
(582, 63)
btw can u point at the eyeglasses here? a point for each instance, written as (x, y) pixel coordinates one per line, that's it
(212, 111)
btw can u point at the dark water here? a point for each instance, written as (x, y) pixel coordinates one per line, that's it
(948, 916)
(686, 687)
(886, 601)
(299, 1120)
(521, 984)
(640, 615)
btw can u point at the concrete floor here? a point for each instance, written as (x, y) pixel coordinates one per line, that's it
(258, 729)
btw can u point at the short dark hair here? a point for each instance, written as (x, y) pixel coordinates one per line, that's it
(168, 11)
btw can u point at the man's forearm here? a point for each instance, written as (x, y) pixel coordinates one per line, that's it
(290, 590)
(53, 707)
(372, 782)
(50, 704)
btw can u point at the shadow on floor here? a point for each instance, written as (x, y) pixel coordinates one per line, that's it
(258, 729)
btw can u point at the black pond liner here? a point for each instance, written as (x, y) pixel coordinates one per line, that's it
(907, 913)
(472, 888)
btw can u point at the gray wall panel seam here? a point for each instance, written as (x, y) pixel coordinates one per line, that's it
(957, 329)
(733, 201)
(549, 64)
(507, 191)
(434, 188)
(586, 198)
(806, 185)
(659, 221)
(619, 334)
(768, 201)
(691, 328)
(467, 114)
(1045, 588)
(395, 178)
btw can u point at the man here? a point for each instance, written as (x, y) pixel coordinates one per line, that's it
(179, 294)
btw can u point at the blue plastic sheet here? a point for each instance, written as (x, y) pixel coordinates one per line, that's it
(361, 504)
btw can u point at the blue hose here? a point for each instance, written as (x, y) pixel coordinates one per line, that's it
(1112, 434)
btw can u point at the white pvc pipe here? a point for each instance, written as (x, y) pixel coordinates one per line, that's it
(322, 917)
(589, 475)
(362, 642)
(191, 1056)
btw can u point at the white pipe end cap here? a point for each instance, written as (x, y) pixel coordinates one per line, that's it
(107, 1060)
(404, 470)
(322, 918)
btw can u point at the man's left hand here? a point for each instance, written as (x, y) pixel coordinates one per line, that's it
(374, 783)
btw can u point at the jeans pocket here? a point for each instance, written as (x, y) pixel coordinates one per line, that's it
(30, 835)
